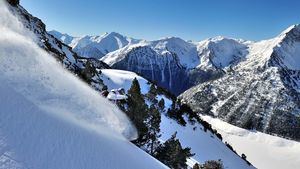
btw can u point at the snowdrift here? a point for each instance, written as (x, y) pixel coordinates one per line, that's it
(50, 119)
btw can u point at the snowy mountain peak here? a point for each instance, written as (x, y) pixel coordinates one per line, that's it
(114, 34)
(95, 46)
(63, 37)
(290, 29)
(221, 52)
(286, 53)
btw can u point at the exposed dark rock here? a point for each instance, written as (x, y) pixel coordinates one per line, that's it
(13, 2)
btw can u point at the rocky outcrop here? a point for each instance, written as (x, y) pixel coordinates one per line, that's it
(13, 2)
(86, 68)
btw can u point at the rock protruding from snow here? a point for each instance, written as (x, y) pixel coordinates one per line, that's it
(13, 2)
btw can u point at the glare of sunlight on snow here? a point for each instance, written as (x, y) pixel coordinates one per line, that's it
(35, 74)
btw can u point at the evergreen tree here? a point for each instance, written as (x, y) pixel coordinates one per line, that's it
(153, 129)
(161, 104)
(213, 164)
(172, 154)
(138, 111)
(152, 94)
(196, 166)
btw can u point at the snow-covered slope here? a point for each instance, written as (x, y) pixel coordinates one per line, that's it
(261, 92)
(263, 150)
(83, 67)
(50, 119)
(115, 79)
(205, 145)
(94, 46)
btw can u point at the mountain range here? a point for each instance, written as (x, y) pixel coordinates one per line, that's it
(252, 85)
(50, 111)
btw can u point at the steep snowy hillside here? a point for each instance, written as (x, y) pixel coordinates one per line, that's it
(50, 119)
(82, 67)
(261, 92)
(94, 46)
(167, 60)
(205, 145)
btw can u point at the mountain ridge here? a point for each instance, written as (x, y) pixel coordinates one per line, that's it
(261, 92)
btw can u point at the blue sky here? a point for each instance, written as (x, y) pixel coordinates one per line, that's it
(153, 19)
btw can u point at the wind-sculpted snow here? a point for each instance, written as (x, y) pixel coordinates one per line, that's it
(50, 119)
(36, 75)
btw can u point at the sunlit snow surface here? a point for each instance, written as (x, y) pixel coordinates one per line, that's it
(205, 145)
(50, 119)
(263, 150)
(115, 79)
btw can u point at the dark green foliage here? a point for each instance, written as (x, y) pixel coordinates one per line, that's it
(244, 157)
(151, 95)
(137, 111)
(213, 164)
(196, 166)
(175, 113)
(88, 72)
(172, 154)
(230, 147)
(161, 104)
(153, 129)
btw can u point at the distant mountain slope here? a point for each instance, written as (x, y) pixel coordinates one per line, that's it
(169, 59)
(261, 92)
(50, 119)
(94, 46)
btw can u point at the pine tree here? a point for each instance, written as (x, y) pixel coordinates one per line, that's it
(152, 94)
(196, 166)
(161, 104)
(213, 164)
(138, 111)
(153, 129)
(172, 154)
